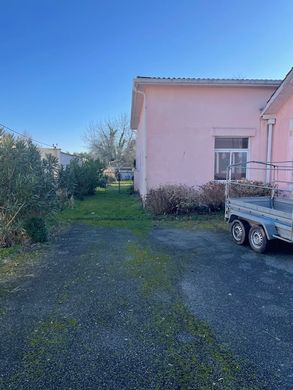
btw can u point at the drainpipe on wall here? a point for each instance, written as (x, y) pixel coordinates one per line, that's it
(270, 123)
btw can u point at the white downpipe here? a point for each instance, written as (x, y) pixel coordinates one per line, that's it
(271, 123)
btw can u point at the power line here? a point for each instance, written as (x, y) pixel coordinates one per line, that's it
(23, 135)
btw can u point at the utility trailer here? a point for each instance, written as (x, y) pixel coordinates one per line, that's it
(259, 212)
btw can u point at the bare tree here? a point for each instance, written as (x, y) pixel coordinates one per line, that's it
(111, 141)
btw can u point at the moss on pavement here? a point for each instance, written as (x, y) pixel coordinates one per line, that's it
(190, 356)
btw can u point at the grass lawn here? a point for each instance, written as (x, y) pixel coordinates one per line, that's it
(111, 208)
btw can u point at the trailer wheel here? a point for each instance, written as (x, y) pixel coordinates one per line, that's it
(258, 239)
(239, 231)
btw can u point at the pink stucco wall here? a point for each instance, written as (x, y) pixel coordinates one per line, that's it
(283, 133)
(181, 124)
(283, 137)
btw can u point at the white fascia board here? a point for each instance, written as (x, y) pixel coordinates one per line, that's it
(284, 84)
(207, 82)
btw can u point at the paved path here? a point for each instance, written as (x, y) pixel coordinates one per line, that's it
(68, 326)
(246, 298)
(103, 309)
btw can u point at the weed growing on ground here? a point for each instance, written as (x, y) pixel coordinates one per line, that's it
(151, 267)
(47, 338)
(14, 260)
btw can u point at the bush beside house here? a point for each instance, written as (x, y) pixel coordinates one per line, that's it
(210, 197)
(172, 199)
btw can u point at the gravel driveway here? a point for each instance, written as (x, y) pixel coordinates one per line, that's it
(107, 309)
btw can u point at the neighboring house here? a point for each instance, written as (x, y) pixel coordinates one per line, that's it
(189, 130)
(126, 173)
(62, 157)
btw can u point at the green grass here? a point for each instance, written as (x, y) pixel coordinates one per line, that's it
(195, 221)
(110, 208)
(114, 209)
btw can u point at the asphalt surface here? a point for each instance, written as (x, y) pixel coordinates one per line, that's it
(78, 320)
(75, 323)
(247, 298)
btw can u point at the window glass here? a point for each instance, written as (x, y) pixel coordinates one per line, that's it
(222, 160)
(235, 152)
(231, 143)
(239, 172)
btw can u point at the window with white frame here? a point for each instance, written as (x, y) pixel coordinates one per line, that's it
(230, 151)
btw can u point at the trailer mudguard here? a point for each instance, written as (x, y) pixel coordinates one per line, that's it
(267, 224)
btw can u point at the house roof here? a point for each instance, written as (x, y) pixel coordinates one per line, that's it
(52, 150)
(205, 81)
(141, 81)
(280, 96)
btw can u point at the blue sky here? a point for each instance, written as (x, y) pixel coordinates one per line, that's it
(66, 63)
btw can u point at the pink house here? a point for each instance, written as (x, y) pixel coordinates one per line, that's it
(189, 130)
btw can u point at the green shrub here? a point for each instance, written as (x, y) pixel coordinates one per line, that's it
(102, 182)
(81, 177)
(31, 188)
(28, 186)
(36, 229)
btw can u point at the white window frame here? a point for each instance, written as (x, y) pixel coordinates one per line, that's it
(230, 151)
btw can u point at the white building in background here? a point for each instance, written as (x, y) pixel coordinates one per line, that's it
(63, 158)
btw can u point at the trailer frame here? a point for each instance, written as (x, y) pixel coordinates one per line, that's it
(263, 218)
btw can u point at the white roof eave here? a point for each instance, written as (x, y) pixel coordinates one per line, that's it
(141, 81)
(280, 95)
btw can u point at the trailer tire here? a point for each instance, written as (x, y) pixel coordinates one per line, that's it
(258, 239)
(239, 230)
